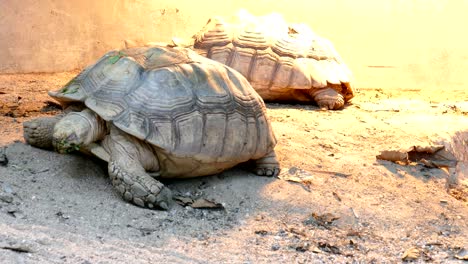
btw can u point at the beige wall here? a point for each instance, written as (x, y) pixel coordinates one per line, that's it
(414, 44)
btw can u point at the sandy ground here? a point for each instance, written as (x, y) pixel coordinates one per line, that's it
(349, 208)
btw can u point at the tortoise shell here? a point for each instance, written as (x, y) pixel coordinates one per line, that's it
(183, 104)
(278, 59)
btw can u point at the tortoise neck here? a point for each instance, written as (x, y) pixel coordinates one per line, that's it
(98, 127)
(77, 130)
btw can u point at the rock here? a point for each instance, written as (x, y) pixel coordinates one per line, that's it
(462, 254)
(6, 198)
(3, 157)
(6, 188)
(275, 247)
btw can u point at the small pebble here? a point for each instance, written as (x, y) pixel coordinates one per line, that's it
(6, 198)
(7, 188)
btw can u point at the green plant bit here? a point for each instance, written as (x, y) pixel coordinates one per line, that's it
(66, 88)
(70, 91)
(115, 58)
(69, 148)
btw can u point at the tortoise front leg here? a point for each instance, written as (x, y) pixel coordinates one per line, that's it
(39, 132)
(128, 159)
(268, 165)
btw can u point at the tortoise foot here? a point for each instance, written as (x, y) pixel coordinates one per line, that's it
(267, 166)
(38, 132)
(329, 99)
(140, 188)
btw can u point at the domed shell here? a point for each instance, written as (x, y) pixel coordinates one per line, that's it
(176, 100)
(274, 56)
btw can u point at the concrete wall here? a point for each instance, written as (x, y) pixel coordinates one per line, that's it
(411, 44)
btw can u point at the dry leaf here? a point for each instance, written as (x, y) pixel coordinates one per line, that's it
(393, 155)
(297, 231)
(326, 247)
(295, 174)
(462, 254)
(337, 196)
(184, 201)
(324, 220)
(292, 178)
(261, 232)
(301, 246)
(353, 233)
(206, 204)
(435, 156)
(410, 254)
(316, 250)
(427, 149)
(200, 203)
(428, 163)
(441, 164)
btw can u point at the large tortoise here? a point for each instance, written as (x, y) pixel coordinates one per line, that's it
(159, 112)
(282, 62)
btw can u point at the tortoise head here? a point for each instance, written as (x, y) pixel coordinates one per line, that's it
(77, 130)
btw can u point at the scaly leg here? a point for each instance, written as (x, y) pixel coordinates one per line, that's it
(328, 99)
(128, 159)
(39, 132)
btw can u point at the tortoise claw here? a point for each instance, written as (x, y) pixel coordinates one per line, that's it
(267, 166)
(164, 206)
(269, 172)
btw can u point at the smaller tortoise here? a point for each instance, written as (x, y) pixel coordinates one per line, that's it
(282, 62)
(159, 112)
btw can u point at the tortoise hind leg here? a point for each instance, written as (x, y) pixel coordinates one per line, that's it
(128, 159)
(328, 99)
(267, 166)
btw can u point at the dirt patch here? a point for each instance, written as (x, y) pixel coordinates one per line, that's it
(346, 206)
